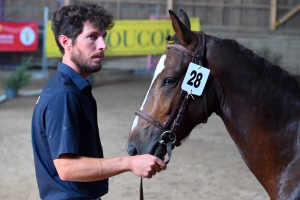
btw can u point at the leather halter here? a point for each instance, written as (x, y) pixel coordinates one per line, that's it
(168, 137)
(198, 58)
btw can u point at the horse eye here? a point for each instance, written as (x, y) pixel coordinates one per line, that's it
(169, 82)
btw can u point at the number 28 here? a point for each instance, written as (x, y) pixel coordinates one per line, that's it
(195, 79)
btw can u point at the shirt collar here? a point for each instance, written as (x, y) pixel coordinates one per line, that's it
(80, 82)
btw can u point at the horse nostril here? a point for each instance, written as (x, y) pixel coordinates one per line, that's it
(132, 150)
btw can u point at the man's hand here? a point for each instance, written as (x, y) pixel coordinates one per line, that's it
(146, 165)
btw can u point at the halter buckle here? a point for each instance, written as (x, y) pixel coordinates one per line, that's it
(170, 137)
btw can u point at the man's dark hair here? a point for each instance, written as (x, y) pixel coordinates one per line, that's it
(69, 20)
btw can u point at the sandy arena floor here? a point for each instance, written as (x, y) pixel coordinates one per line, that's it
(206, 167)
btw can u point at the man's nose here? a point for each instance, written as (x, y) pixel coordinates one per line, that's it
(101, 44)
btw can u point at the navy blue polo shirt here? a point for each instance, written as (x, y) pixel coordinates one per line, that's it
(65, 121)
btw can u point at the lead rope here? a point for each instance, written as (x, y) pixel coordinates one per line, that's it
(141, 190)
(173, 129)
(169, 150)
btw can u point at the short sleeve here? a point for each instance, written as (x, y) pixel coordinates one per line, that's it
(62, 124)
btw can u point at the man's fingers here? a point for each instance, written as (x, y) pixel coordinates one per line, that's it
(162, 165)
(152, 172)
(149, 176)
(157, 168)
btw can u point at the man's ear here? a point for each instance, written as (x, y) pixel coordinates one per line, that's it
(65, 42)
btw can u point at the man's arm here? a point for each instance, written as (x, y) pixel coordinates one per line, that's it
(84, 169)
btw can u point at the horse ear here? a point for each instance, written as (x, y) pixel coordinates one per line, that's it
(181, 26)
(184, 18)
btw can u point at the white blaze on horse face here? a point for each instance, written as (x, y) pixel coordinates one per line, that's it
(160, 66)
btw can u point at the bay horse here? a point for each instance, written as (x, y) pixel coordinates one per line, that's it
(258, 102)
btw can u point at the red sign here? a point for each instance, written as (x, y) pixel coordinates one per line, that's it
(15, 36)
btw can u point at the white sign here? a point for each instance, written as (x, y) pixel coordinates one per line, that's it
(195, 79)
(27, 36)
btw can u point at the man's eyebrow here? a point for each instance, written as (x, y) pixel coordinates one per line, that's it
(93, 32)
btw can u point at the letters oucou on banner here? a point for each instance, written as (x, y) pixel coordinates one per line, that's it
(130, 37)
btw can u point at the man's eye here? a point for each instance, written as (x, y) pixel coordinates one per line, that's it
(92, 37)
(169, 82)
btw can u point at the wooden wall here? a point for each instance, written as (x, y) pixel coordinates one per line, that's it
(254, 14)
(241, 13)
(24, 10)
(247, 21)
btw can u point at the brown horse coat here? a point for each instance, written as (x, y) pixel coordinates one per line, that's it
(258, 102)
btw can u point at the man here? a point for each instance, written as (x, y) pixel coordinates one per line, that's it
(67, 150)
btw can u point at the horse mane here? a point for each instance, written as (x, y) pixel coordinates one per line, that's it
(250, 54)
(274, 71)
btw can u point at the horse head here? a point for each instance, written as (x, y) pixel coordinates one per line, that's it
(168, 112)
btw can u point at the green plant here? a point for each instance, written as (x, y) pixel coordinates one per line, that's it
(19, 77)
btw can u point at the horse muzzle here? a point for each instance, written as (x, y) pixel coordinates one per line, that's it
(158, 146)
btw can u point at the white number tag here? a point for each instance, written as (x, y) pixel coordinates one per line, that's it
(195, 79)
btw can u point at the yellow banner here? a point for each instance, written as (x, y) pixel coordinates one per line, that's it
(130, 37)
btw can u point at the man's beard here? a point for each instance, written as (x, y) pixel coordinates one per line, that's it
(84, 64)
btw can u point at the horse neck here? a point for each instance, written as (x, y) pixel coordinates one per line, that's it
(266, 134)
(245, 92)
(255, 112)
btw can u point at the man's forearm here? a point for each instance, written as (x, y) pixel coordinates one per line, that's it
(84, 169)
